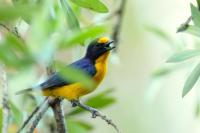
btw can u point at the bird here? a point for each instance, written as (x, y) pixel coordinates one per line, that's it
(94, 64)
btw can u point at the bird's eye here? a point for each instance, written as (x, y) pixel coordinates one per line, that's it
(98, 45)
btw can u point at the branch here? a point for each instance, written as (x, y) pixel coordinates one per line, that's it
(6, 108)
(95, 113)
(39, 115)
(58, 114)
(119, 13)
(56, 106)
(31, 115)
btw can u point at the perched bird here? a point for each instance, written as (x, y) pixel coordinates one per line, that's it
(94, 64)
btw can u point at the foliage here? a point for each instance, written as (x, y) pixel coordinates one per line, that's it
(183, 54)
(52, 26)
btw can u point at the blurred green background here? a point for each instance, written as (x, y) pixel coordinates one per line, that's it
(146, 90)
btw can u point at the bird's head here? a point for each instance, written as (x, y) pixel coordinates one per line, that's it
(99, 47)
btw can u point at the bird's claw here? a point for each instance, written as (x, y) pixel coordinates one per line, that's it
(74, 103)
(95, 113)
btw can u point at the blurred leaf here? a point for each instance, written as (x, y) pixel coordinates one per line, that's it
(16, 113)
(71, 17)
(14, 53)
(163, 71)
(83, 35)
(75, 75)
(191, 80)
(101, 100)
(184, 55)
(94, 5)
(193, 30)
(78, 126)
(195, 15)
(198, 3)
(1, 118)
(158, 32)
(13, 12)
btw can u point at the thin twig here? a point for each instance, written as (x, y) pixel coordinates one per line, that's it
(31, 115)
(119, 13)
(39, 115)
(6, 108)
(14, 31)
(95, 113)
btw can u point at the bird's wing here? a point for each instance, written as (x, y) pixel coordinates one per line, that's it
(57, 81)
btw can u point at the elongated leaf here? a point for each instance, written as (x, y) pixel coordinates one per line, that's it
(94, 5)
(81, 36)
(71, 17)
(195, 15)
(184, 55)
(198, 3)
(75, 75)
(193, 30)
(100, 100)
(13, 12)
(76, 127)
(16, 114)
(1, 118)
(191, 80)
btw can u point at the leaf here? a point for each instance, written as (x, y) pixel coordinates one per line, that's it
(13, 12)
(16, 113)
(94, 5)
(195, 15)
(71, 17)
(193, 30)
(1, 118)
(81, 36)
(100, 100)
(77, 127)
(75, 75)
(184, 55)
(191, 80)
(198, 3)
(162, 71)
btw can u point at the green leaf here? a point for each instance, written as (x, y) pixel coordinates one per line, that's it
(94, 5)
(195, 15)
(198, 3)
(81, 36)
(75, 75)
(191, 80)
(71, 17)
(100, 100)
(77, 126)
(16, 113)
(13, 12)
(1, 118)
(184, 55)
(193, 30)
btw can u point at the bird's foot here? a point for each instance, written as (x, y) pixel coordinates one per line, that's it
(74, 103)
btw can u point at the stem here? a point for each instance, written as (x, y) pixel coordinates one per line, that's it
(5, 108)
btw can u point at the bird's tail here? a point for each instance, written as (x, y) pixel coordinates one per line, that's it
(24, 91)
(28, 90)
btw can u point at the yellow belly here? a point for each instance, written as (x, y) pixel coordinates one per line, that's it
(70, 92)
(76, 90)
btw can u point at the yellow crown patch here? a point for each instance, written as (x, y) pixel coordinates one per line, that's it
(103, 40)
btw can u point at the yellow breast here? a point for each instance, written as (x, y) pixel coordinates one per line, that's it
(76, 90)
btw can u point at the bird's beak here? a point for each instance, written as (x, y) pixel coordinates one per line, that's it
(109, 46)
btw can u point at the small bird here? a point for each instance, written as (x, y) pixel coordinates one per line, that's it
(94, 64)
